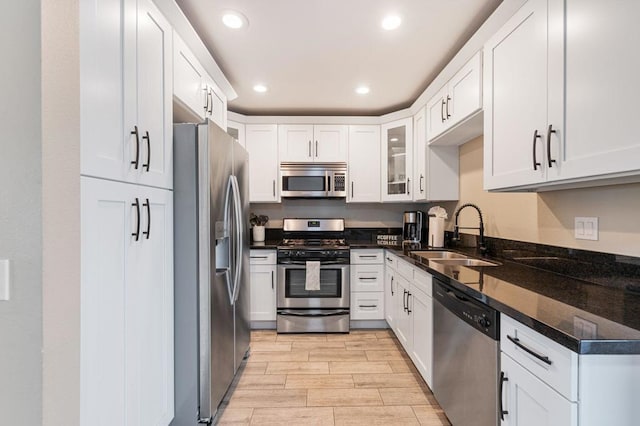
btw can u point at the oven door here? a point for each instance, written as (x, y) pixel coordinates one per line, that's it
(334, 287)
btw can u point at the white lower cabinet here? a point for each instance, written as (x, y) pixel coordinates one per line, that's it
(126, 353)
(421, 305)
(545, 383)
(390, 295)
(367, 284)
(261, 142)
(404, 325)
(263, 285)
(528, 401)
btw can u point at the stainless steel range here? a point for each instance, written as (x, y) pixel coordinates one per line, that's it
(313, 292)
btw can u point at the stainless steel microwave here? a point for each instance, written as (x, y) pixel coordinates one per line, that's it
(313, 180)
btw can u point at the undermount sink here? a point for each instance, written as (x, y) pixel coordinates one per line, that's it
(439, 254)
(463, 262)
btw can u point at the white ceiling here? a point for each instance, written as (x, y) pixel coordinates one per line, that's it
(313, 53)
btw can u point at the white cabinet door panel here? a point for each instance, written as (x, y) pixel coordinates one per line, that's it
(330, 143)
(154, 71)
(263, 292)
(516, 102)
(530, 402)
(422, 319)
(601, 89)
(390, 294)
(296, 143)
(188, 77)
(262, 146)
(363, 163)
(465, 91)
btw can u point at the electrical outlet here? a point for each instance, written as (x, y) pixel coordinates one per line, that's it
(584, 329)
(586, 228)
(4, 279)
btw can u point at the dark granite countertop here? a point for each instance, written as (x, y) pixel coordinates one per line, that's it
(554, 305)
(265, 245)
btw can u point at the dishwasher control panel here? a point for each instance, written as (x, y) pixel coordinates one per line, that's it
(475, 313)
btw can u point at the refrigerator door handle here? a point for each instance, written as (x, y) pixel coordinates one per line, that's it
(238, 236)
(227, 206)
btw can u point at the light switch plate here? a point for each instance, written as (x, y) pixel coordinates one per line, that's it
(4, 279)
(586, 228)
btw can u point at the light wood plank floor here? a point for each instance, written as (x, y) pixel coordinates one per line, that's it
(361, 378)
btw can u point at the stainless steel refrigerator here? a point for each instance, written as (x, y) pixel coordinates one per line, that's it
(211, 220)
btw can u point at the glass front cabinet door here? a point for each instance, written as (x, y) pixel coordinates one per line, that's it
(397, 158)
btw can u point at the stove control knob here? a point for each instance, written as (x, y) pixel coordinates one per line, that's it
(300, 253)
(484, 322)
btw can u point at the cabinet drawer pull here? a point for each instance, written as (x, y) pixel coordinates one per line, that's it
(368, 306)
(516, 342)
(408, 308)
(136, 234)
(258, 257)
(501, 408)
(391, 286)
(351, 189)
(549, 132)
(389, 259)
(206, 100)
(442, 111)
(408, 185)
(535, 140)
(309, 149)
(274, 187)
(137, 160)
(147, 233)
(421, 179)
(316, 148)
(448, 99)
(367, 256)
(367, 278)
(211, 103)
(148, 139)
(404, 300)
(271, 280)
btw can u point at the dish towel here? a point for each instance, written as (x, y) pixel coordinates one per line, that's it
(312, 283)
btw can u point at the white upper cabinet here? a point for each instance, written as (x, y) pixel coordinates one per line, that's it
(262, 145)
(313, 143)
(125, 98)
(601, 88)
(457, 101)
(515, 108)
(436, 167)
(397, 160)
(188, 77)
(193, 88)
(560, 101)
(237, 131)
(364, 164)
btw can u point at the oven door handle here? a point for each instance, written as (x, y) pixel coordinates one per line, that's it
(316, 314)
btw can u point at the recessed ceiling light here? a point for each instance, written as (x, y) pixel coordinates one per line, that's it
(394, 139)
(391, 22)
(234, 20)
(260, 88)
(362, 90)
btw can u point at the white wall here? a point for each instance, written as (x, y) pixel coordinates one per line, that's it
(20, 214)
(61, 212)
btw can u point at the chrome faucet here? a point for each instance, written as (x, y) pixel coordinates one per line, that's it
(456, 229)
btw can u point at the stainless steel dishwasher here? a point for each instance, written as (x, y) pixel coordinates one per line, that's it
(465, 357)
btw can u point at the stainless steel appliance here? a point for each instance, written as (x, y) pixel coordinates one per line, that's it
(313, 180)
(465, 357)
(323, 310)
(211, 267)
(412, 227)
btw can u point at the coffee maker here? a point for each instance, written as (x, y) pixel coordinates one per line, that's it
(412, 228)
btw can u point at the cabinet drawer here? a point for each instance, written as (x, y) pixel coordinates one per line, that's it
(366, 256)
(367, 306)
(552, 363)
(367, 278)
(390, 260)
(405, 269)
(423, 280)
(262, 257)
